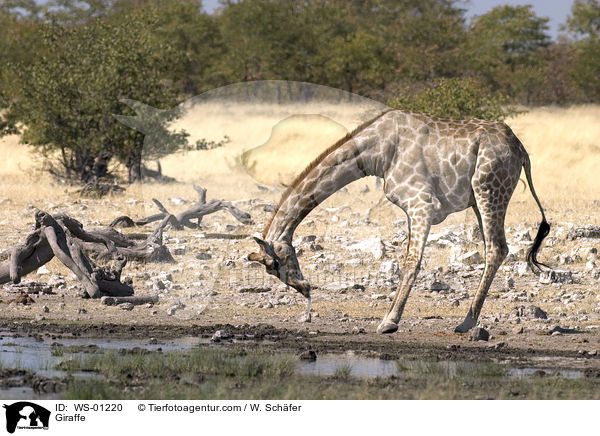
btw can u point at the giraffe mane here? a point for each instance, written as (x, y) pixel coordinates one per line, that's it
(317, 161)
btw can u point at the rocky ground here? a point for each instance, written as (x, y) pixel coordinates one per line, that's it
(353, 257)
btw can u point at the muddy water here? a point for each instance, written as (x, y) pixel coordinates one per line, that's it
(328, 364)
(31, 354)
(36, 355)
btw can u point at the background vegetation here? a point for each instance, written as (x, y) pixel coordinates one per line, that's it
(66, 65)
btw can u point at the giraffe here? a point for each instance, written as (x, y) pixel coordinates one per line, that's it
(431, 168)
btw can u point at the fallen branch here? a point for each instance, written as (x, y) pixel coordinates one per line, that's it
(184, 219)
(57, 237)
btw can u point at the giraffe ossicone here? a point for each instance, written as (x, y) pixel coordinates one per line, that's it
(431, 168)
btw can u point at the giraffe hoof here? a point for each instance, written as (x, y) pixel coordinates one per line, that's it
(387, 327)
(464, 327)
(467, 324)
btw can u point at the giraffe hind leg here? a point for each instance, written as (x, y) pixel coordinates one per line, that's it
(491, 217)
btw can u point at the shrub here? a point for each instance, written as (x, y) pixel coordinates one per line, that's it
(457, 98)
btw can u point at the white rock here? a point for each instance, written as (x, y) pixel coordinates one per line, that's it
(521, 268)
(378, 297)
(389, 267)
(178, 306)
(178, 200)
(42, 270)
(373, 246)
(471, 258)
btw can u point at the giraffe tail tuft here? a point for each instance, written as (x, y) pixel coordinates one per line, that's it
(544, 228)
(543, 231)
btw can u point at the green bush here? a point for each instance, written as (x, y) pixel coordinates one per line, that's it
(456, 98)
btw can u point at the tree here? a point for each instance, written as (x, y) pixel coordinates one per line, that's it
(503, 47)
(584, 24)
(68, 96)
(584, 20)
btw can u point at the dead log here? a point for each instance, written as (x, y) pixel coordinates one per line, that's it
(151, 250)
(197, 212)
(53, 237)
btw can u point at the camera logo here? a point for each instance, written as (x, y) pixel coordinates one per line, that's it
(26, 415)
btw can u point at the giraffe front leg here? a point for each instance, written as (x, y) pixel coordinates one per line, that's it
(418, 231)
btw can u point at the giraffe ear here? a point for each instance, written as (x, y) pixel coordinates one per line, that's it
(268, 248)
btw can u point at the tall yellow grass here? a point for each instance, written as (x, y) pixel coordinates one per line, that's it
(564, 145)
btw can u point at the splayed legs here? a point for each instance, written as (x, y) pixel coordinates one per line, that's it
(419, 225)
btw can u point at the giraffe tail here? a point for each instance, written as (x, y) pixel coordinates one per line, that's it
(544, 228)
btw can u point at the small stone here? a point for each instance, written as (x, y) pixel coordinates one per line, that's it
(438, 285)
(178, 200)
(562, 330)
(179, 251)
(171, 310)
(219, 336)
(82, 311)
(521, 268)
(309, 355)
(518, 330)
(43, 270)
(45, 309)
(531, 312)
(470, 258)
(357, 330)
(378, 297)
(125, 306)
(479, 334)
(556, 276)
(204, 255)
(510, 282)
(373, 246)
(389, 267)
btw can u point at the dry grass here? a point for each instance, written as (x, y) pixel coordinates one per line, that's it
(564, 145)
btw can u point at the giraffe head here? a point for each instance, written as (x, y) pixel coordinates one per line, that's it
(279, 257)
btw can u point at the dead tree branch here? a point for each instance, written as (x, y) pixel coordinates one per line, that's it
(58, 237)
(184, 219)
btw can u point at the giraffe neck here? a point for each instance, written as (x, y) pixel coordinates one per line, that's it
(356, 158)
